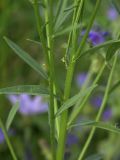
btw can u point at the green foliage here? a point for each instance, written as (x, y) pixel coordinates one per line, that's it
(28, 89)
(60, 24)
(11, 115)
(100, 125)
(73, 100)
(26, 57)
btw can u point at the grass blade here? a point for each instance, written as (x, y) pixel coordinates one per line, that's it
(11, 115)
(26, 57)
(28, 89)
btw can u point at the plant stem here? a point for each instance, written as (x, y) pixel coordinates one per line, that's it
(64, 116)
(49, 32)
(63, 121)
(8, 141)
(100, 110)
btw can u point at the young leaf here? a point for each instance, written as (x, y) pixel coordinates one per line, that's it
(101, 125)
(70, 102)
(28, 89)
(26, 57)
(11, 115)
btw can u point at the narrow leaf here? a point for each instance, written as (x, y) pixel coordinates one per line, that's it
(70, 102)
(96, 48)
(28, 89)
(101, 125)
(11, 115)
(26, 57)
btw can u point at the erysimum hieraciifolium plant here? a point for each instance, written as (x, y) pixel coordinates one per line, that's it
(56, 19)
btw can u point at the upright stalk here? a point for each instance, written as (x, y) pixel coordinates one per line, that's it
(70, 70)
(100, 111)
(52, 86)
(8, 141)
(47, 44)
(63, 121)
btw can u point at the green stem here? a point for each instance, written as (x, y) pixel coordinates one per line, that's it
(69, 76)
(100, 110)
(49, 31)
(70, 70)
(8, 141)
(63, 121)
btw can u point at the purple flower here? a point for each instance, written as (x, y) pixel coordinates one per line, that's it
(112, 14)
(2, 138)
(29, 105)
(71, 140)
(81, 78)
(96, 37)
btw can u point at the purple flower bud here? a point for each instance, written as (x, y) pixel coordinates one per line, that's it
(29, 105)
(112, 14)
(81, 78)
(96, 38)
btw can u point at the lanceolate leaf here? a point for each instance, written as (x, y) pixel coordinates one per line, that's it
(69, 103)
(101, 125)
(11, 115)
(26, 57)
(28, 89)
(103, 45)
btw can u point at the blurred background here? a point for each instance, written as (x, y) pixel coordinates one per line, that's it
(29, 132)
